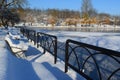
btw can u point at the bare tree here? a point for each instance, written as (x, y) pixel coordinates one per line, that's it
(87, 9)
(6, 11)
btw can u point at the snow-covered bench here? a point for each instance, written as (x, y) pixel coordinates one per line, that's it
(18, 45)
(14, 33)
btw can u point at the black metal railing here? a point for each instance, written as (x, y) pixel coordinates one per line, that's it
(93, 63)
(32, 36)
(24, 31)
(48, 43)
(61, 50)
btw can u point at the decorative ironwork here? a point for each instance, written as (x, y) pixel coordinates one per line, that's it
(32, 36)
(48, 43)
(22, 30)
(61, 50)
(93, 63)
(25, 32)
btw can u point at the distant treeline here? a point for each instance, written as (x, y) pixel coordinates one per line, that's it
(56, 13)
(39, 15)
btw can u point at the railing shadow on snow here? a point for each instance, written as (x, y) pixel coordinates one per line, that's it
(93, 63)
(46, 41)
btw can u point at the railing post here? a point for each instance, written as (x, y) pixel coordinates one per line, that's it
(35, 37)
(66, 56)
(23, 32)
(28, 35)
(55, 50)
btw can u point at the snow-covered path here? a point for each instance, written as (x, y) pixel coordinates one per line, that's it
(36, 66)
(39, 66)
(42, 68)
(3, 63)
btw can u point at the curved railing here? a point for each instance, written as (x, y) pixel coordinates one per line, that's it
(32, 36)
(94, 63)
(48, 42)
(24, 31)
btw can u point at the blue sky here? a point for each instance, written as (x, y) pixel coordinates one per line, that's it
(107, 6)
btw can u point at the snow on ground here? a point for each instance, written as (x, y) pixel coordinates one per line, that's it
(39, 66)
(36, 66)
